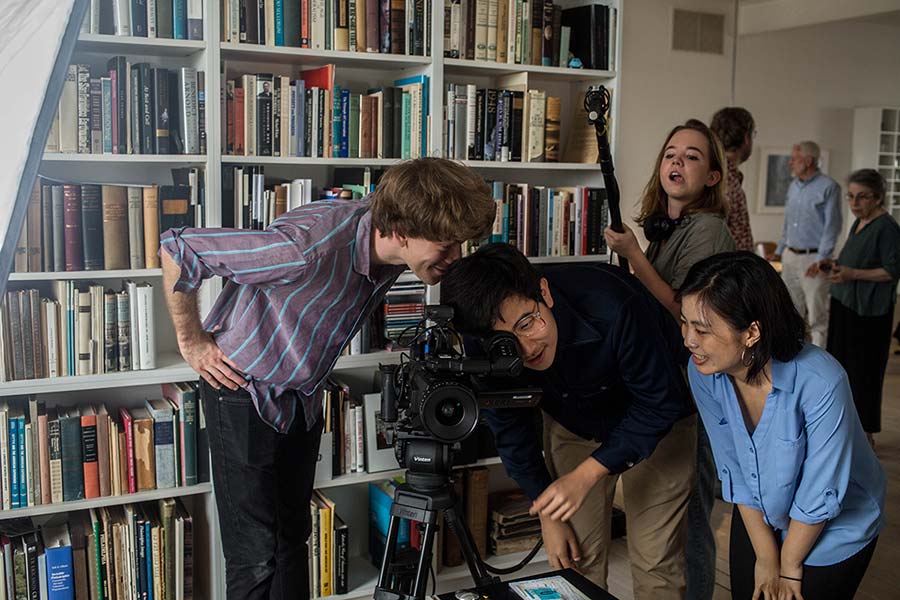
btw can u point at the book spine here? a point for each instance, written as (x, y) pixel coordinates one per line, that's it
(136, 227)
(161, 110)
(92, 227)
(84, 109)
(89, 456)
(106, 115)
(188, 117)
(55, 454)
(110, 330)
(164, 449)
(123, 327)
(151, 226)
(96, 116)
(72, 461)
(72, 219)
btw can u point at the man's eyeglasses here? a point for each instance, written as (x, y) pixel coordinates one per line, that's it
(531, 324)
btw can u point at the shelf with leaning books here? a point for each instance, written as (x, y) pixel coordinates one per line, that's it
(309, 56)
(459, 66)
(348, 26)
(325, 113)
(170, 367)
(148, 496)
(118, 44)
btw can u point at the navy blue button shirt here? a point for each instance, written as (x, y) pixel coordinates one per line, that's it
(617, 377)
(806, 460)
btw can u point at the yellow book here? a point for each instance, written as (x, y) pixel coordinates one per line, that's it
(326, 541)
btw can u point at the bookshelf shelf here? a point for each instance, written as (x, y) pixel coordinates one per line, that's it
(543, 166)
(364, 575)
(171, 368)
(306, 56)
(61, 507)
(113, 44)
(357, 478)
(305, 160)
(370, 359)
(174, 159)
(459, 66)
(114, 274)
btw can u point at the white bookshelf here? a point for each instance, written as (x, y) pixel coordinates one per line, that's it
(358, 71)
(876, 145)
(148, 496)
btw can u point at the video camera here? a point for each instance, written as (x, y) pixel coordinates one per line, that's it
(436, 395)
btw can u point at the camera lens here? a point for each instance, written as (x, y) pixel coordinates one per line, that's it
(450, 412)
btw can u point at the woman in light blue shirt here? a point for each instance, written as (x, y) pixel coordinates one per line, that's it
(790, 451)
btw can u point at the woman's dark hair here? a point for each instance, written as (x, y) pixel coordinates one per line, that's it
(871, 179)
(732, 124)
(742, 288)
(476, 286)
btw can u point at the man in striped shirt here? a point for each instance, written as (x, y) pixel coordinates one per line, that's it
(294, 295)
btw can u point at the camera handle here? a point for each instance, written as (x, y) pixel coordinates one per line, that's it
(426, 506)
(596, 104)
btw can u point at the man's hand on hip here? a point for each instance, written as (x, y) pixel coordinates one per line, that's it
(207, 359)
(560, 544)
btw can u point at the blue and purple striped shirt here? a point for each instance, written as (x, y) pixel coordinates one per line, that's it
(294, 295)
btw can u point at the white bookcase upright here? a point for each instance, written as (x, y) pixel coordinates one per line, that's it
(876, 145)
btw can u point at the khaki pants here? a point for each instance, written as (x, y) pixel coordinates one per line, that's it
(810, 294)
(656, 492)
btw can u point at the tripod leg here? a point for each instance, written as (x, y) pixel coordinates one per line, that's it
(424, 560)
(389, 548)
(458, 526)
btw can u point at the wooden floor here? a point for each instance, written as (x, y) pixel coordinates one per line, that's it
(881, 581)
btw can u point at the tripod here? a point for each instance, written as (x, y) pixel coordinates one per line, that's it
(424, 497)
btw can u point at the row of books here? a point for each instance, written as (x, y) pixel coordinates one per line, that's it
(404, 306)
(547, 221)
(271, 115)
(93, 227)
(78, 330)
(59, 454)
(130, 108)
(530, 32)
(385, 26)
(141, 550)
(328, 549)
(171, 19)
(501, 124)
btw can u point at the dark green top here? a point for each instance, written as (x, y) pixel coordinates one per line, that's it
(877, 245)
(698, 236)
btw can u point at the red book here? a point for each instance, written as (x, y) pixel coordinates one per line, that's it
(372, 20)
(89, 452)
(72, 233)
(323, 78)
(239, 121)
(129, 449)
(304, 23)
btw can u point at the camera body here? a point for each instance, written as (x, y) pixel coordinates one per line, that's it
(437, 394)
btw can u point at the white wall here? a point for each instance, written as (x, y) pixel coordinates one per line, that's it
(804, 84)
(662, 88)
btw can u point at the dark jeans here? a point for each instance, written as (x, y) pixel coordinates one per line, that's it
(833, 582)
(263, 481)
(700, 552)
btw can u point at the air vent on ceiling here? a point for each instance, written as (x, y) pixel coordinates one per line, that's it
(698, 32)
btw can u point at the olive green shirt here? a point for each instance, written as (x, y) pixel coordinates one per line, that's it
(876, 246)
(698, 236)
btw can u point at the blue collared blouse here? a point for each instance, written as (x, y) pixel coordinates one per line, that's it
(807, 459)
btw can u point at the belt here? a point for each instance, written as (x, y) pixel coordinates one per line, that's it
(803, 251)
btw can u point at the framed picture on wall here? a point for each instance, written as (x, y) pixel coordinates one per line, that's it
(775, 178)
(379, 438)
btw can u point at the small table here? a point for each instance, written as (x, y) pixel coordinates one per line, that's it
(501, 591)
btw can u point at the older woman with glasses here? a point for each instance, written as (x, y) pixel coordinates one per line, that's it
(863, 293)
(608, 358)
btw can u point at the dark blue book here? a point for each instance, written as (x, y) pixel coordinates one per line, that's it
(148, 558)
(60, 577)
(345, 124)
(13, 462)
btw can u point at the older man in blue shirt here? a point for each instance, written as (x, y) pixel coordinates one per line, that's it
(615, 401)
(812, 222)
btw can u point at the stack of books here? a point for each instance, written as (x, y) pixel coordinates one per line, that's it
(169, 19)
(328, 548)
(512, 528)
(404, 307)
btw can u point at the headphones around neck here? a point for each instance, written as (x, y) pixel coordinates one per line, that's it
(659, 228)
